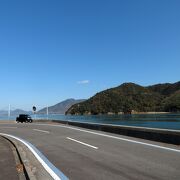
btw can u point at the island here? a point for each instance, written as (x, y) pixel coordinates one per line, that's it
(131, 98)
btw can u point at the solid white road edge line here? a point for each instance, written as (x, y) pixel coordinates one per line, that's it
(41, 131)
(82, 143)
(55, 173)
(114, 137)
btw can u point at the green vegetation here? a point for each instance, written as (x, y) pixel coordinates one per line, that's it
(131, 98)
(172, 103)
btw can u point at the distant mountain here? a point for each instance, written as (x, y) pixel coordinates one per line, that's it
(132, 98)
(61, 107)
(14, 112)
(20, 111)
(3, 112)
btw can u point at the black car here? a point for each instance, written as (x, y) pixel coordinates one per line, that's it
(24, 118)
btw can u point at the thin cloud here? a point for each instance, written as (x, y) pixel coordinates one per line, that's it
(83, 82)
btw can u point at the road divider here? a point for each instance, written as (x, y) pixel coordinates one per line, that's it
(94, 147)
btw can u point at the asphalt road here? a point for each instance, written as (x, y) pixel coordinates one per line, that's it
(7, 161)
(85, 154)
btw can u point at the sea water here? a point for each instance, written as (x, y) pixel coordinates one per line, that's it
(164, 121)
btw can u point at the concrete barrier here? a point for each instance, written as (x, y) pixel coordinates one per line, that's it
(155, 134)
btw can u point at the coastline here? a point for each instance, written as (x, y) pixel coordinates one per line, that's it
(153, 112)
(121, 113)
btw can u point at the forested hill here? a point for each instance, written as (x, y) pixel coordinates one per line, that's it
(132, 98)
(165, 89)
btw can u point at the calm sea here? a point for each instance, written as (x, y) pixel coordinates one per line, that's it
(165, 121)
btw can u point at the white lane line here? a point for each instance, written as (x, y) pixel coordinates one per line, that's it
(9, 127)
(41, 131)
(55, 173)
(82, 143)
(115, 137)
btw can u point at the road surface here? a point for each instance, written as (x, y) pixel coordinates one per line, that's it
(7, 161)
(86, 154)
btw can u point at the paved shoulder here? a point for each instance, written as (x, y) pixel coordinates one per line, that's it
(7, 161)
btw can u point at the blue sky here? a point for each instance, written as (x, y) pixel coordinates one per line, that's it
(54, 50)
